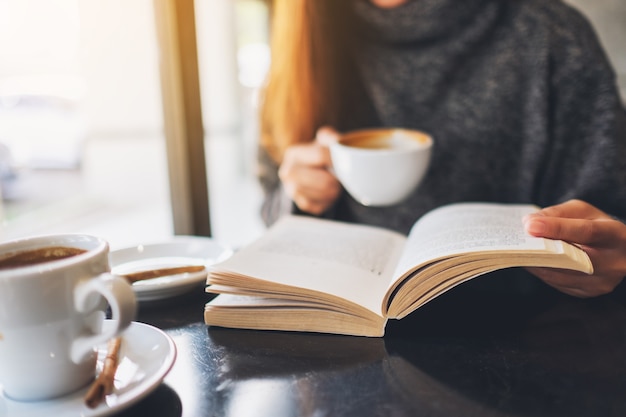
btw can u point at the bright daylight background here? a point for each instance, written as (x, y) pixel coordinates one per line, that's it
(81, 130)
(81, 127)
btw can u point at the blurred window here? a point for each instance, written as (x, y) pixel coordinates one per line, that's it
(82, 147)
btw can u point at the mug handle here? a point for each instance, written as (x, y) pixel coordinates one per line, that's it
(120, 296)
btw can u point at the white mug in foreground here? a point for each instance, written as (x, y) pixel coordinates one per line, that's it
(381, 167)
(52, 292)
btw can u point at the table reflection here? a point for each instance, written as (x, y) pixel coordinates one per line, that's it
(163, 402)
(463, 354)
(287, 374)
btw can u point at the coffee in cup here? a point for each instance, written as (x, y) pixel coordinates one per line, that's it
(37, 256)
(381, 167)
(54, 292)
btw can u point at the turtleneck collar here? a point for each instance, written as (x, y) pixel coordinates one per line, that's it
(416, 20)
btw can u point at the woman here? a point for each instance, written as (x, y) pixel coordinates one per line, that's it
(518, 95)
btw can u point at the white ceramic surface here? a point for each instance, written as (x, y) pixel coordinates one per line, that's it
(382, 177)
(51, 315)
(146, 356)
(179, 251)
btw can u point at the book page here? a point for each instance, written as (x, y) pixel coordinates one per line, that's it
(351, 261)
(467, 227)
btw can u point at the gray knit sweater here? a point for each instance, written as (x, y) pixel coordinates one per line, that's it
(518, 95)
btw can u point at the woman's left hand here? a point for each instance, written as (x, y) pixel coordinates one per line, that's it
(597, 233)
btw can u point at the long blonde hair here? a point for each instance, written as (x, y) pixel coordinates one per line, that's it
(302, 90)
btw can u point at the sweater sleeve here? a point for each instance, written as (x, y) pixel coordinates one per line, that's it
(587, 158)
(275, 203)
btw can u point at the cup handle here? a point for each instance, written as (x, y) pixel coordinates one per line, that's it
(120, 296)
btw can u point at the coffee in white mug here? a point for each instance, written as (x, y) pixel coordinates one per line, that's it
(53, 294)
(381, 167)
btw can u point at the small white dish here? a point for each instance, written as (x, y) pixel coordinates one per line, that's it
(179, 251)
(146, 356)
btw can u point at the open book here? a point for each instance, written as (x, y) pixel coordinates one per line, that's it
(309, 274)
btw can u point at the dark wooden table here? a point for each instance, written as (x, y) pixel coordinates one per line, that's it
(465, 354)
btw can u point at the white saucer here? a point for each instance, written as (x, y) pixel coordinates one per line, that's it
(179, 251)
(146, 356)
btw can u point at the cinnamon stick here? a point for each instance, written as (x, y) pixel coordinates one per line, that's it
(103, 385)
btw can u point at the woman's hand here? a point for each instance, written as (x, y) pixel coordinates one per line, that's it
(598, 234)
(305, 175)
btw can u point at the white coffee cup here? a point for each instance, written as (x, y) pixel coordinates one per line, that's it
(51, 313)
(381, 167)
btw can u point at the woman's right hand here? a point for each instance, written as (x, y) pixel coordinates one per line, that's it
(305, 173)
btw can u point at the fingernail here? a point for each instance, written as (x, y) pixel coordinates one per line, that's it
(535, 226)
